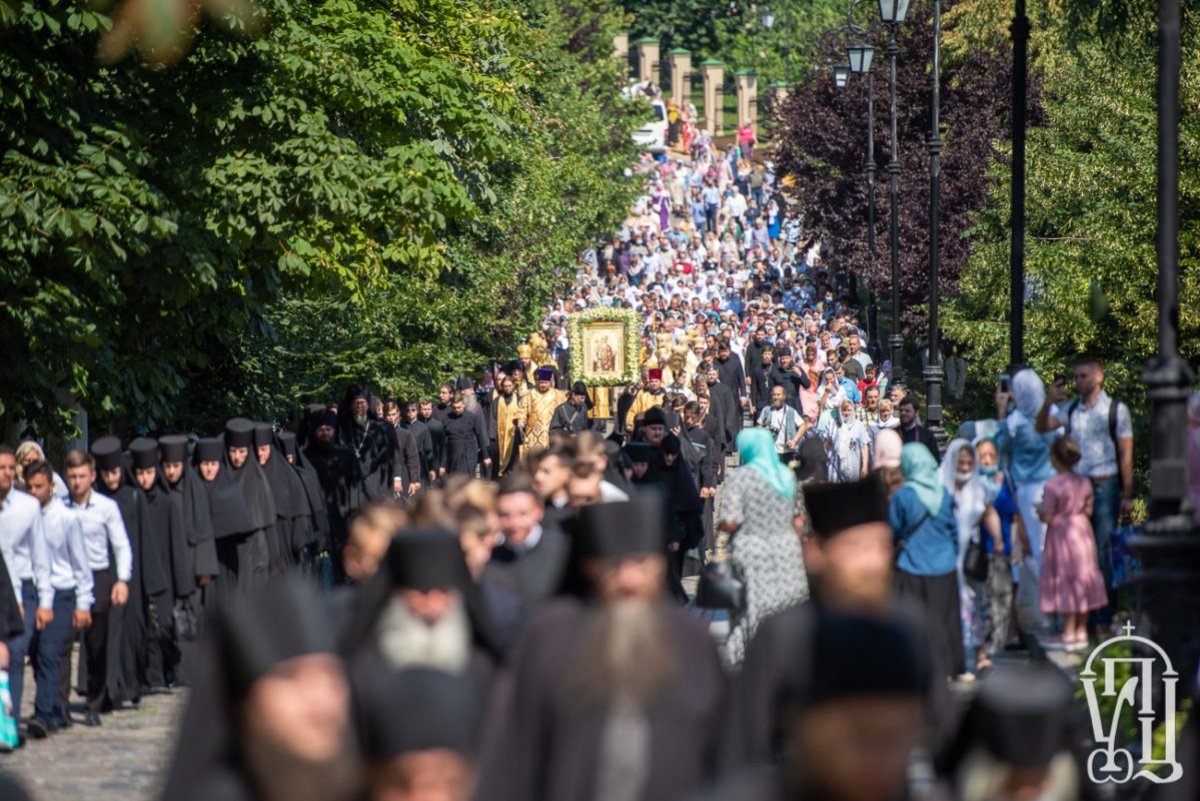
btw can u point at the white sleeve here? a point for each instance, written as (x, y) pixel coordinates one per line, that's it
(1124, 422)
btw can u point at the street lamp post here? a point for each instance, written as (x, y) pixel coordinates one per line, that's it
(933, 365)
(1016, 333)
(861, 56)
(892, 14)
(1169, 549)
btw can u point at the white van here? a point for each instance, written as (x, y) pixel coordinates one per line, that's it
(653, 135)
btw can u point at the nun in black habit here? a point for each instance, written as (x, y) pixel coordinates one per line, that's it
(243, 513)
(686, 508)
(318, 514)
(269, 717)
(198, 550)
(153, 647)
(293, 514)
(616, 696)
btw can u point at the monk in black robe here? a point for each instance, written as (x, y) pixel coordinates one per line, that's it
(437, 438)
(269, 716)
(466, 441)
(420, 431)
(615, 696)
(851, 724)
(341, 479)
(848, 555)
(418, 728)
(423, 610)
(372, 440)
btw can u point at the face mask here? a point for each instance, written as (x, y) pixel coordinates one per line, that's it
(965, 477)
(990, 471)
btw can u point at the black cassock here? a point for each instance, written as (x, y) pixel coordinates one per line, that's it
(122, 674)
(544, 745)
(437, 443)
(163, 567)
(464, 442)
(341, 484)
(778, 668)
(293, 512)
(199, 558)
(536, 574)
(243, 515)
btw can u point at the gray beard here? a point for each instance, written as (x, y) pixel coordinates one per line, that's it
(360, 420)
(624, 658)
(406, 641)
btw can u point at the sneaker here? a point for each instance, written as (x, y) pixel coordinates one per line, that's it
(1056, 644)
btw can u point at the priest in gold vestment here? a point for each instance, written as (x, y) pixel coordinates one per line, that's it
(508, 415)
(538, 408)
(650, 395)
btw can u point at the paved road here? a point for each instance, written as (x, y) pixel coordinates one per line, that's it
(126, 758)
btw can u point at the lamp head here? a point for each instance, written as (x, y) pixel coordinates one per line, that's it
(893, 12)
(860, 55)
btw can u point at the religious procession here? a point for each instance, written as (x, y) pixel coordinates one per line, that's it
(561, 459)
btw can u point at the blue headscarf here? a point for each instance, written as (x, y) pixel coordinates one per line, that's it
(756, 448)
(920, 471)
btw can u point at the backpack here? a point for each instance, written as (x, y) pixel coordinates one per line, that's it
(1113, 408)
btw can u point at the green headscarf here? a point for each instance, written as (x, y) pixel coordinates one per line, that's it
(920, 471)
(756, 447)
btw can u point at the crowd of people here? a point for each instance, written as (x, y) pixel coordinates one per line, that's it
(482, 595)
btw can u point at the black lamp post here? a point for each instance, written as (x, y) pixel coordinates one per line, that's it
(1016, 266)
(892, 14)
(861, 56)
(933, 364)
(1169, 549)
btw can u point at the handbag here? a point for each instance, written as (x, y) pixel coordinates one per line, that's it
(722, 586)
(975, 560)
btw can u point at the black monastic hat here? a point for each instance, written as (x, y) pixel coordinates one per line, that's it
(144, 452)
(622, 528)
(173, 447)
(107, 453)
(834, 507)
(207, 449)
(264, 434)
(239, 433)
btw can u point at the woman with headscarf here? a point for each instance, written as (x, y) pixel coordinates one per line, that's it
(830, 395)
(922, 517)
(269, 717)
(762, 512)
(886, 448)
(973, 512)
(1028, 451)
(847, 442)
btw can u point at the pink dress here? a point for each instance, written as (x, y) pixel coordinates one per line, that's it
(1071, 578)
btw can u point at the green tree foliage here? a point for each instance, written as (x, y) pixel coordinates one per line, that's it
(1091, 211)
(556, 183)
(732, 31)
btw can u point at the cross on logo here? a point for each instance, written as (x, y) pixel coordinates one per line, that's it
(1128, 628)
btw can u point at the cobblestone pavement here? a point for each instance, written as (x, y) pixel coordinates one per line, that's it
(125, 759)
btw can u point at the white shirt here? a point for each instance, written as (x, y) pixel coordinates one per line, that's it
(1089, 429)
(69, 568)
(100, 519)
(23, 542)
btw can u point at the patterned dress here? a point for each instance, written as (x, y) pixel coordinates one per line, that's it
(766, 549)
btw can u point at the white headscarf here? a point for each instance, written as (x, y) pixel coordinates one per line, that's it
(1029, 393)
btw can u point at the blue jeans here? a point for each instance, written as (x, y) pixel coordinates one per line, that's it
(18, 646)
(1106, 505)
(48, 647)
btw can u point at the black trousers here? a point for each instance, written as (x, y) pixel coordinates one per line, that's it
(96, 643)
